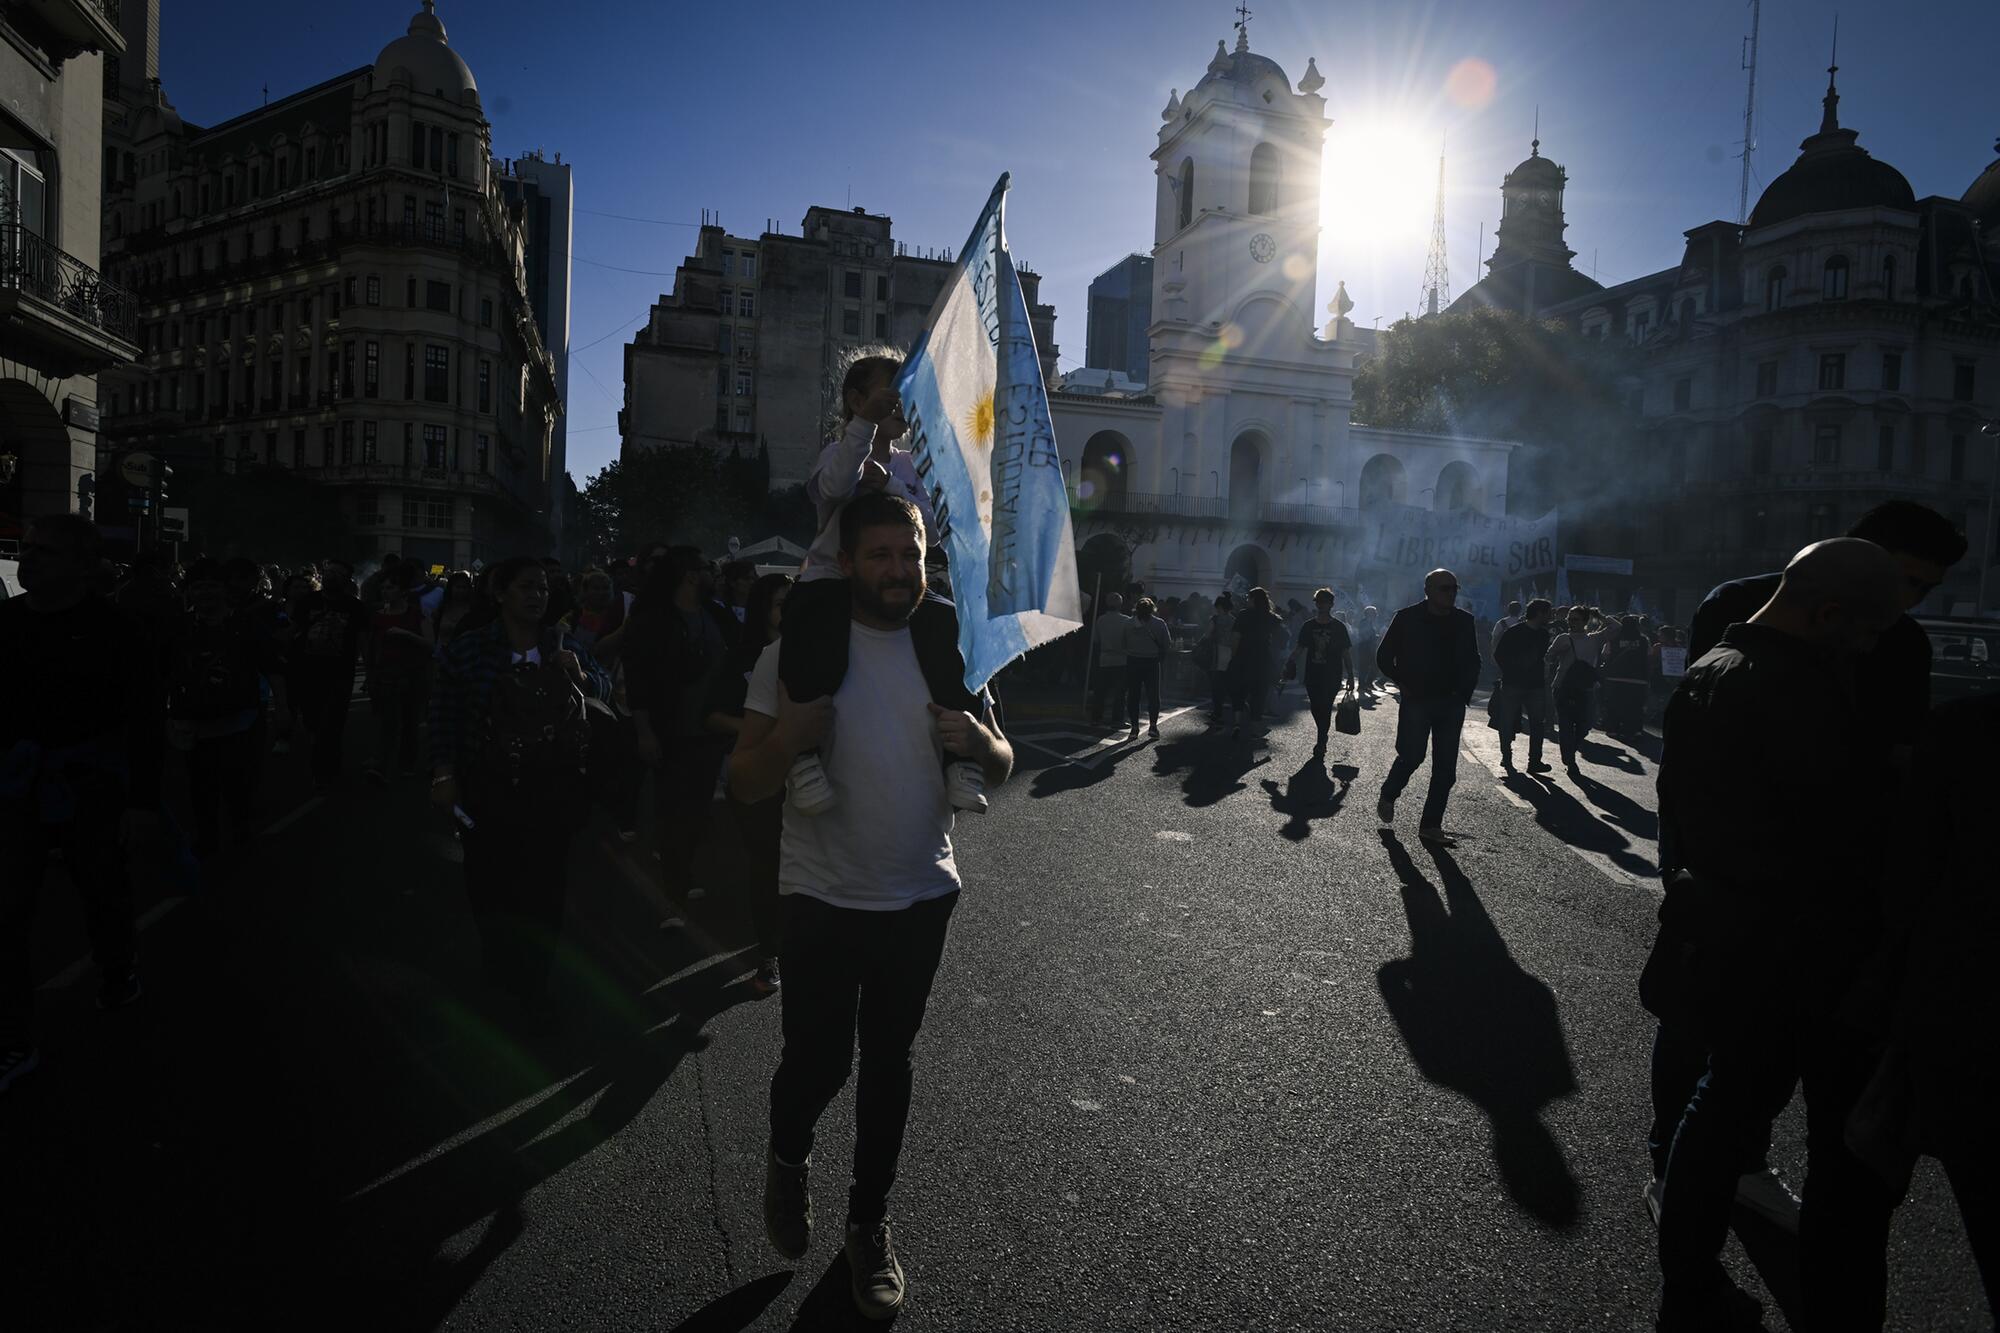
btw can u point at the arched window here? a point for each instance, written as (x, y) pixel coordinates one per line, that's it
(1774, 288)
(1889, 276)
(1264, 179)
(1833, 282)
(1186, 192)
(1686, 316)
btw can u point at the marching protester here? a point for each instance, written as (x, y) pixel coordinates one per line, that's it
(1761, 935)
(863, 460)
(1327, 651)
(1891, 689)
(1430, 652)
(1251, 658)
(1211, 654)
(1147, 642)
(214, 661)
(323, 648)
(870, 885)
(761, 823)
(1490, 641)
(679, 642)
(1624, 669)
(509, 742)
(394, 665)
(1108, 636)
(455, 602)
(1367, 640)
(1520, 654)
(1572, 666)
(79, 770)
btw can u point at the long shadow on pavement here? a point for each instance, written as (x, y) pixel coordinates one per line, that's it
(1612, 756)
(1476, 1023)
(736, 1310)
(1314, 792)
(1212, 766)
(1572, 822)
(1621, 809)
(1061, 775)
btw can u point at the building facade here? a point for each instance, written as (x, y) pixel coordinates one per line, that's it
(337, 284)
(545, 193)
(1240, 461)
(745, 351)
(1841, 349)
(1121, 309)
(62, 323)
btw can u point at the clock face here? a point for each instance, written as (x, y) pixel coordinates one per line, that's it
(1262, 248)
(1544, 198)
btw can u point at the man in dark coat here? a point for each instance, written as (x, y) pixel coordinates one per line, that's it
(1431, 652)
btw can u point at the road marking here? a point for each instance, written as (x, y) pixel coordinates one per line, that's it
(1173, 835)
(295, 816)
(70, 975)
(1082, 1104)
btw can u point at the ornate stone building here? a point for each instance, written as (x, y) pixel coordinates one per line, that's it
(1240, 460)
(1841, 349)
(336, 284)
(61, 322)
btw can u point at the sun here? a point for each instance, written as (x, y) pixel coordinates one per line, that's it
(1378, 186)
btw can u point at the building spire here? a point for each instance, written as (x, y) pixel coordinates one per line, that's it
(1535, 148)
(1242, 29)
(1829, 120)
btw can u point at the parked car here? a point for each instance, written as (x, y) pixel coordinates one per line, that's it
(1965, 656)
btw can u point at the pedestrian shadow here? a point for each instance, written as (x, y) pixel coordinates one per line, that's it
(1476, 1023)
(1062, 775)
(1211, 767)
(1611, 756)
(1314, 792)
(1621, 809)
(1571, 821)
(394, 1230)
(736, 1310)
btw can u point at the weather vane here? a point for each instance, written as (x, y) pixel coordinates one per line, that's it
(1243, 19)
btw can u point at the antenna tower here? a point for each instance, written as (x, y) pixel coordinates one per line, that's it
(1437, 272)
(1749, 111)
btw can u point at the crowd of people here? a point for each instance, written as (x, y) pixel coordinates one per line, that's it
(1800, 937)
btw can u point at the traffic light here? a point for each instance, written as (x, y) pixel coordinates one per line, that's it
(86, 491)
(166, 476)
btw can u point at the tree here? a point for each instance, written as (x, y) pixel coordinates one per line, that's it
(1496, 375)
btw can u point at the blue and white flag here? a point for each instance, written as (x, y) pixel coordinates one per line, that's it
(982, 443)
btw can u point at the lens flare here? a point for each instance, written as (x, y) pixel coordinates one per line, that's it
(1298, 268)
(1471, 83)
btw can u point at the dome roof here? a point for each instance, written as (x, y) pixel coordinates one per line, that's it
(1833, 173)
(1983, 195)
(1536, 170)
(1243, 66)
(431, 66)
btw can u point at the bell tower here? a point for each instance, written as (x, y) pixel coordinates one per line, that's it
(1236, 227)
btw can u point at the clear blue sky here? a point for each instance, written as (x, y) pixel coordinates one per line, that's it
(762, 109)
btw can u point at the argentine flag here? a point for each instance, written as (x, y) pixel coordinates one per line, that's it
(982, 443)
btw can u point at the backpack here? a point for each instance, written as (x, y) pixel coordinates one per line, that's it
(536, 737)
(1578, 677)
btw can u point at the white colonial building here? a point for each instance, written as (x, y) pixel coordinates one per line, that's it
(1240, 457)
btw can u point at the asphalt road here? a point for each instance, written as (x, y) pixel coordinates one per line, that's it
(1207, 1051)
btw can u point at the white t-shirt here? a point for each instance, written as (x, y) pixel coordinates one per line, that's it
(887, 842)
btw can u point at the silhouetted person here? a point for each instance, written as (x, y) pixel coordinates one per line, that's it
(1431, 652)
(80, 740)
(1520, 652)
(1777, 906)
(1892, 691)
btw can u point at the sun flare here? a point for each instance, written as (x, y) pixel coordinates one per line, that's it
(1378, 184)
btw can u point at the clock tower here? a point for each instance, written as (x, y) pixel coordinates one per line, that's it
(1530, 268)
(1236, 227)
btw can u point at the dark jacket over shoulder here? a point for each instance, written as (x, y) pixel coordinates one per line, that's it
(1760, 798)
(1892, 682)
(1431, 656)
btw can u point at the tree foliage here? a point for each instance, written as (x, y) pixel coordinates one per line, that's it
(690, 494)
(1491, 374)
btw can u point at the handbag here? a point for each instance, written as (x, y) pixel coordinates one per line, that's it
(1347, 715)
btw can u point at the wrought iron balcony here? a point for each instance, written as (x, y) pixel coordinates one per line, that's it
(57, 313)
(65, 28)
